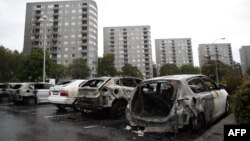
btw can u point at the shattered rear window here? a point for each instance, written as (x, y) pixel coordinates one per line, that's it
(93, 83)
(154, 98)
(17, 86)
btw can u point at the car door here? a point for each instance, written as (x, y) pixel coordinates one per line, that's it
(127, 86)
(204, 99)
(218, 96)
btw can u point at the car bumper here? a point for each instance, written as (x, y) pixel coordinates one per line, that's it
(61, 100)
(153, 126)
(89, 103)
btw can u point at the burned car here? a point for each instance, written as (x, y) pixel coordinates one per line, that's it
(169, 103)
(30, 93)
(110, 93)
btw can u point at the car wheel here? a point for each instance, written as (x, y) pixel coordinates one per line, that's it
(118, 108)
(76, 108)
(61, 107)
(31, 101)
(201, 124)
(227, 107)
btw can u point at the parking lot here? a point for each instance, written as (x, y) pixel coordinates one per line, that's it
(46, 122)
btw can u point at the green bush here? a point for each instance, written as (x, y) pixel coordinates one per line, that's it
(242, 103)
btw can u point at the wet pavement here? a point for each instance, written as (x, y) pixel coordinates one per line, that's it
(46, 122)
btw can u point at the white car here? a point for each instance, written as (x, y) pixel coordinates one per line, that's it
(64, 94)
(166, 104)
(30, 93)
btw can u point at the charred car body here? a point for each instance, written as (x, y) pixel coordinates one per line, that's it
(167, 104)
(106, 92)
(30, 93)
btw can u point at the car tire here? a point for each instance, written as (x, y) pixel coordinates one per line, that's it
(118, 108)
(76, 108)
(61, 107)
(227, 107)
(31, 101)
(200, 124)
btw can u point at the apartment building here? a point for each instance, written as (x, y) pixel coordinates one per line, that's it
(176, 51)
(68, 29)
(218, 51)
(245, 59)
(130, 44)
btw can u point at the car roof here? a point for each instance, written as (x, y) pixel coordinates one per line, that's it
(113, 77)
(177, 77)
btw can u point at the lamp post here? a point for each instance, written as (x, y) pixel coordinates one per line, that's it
(44, 20)
(216, 67)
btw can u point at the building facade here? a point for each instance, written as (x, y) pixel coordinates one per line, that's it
(218, 51)
(176, 51)
(245, 59)
(70, 30)
(132, 45)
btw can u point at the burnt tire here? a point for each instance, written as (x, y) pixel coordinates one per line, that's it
(76, 108)
(227, 107)
(61, 107)
(31, 101)
(118, 108)
(200, 124)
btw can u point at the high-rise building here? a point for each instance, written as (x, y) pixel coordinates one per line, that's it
(131, 45)
(218, 51)
(176, 51)
(245, 58)
(71, 30)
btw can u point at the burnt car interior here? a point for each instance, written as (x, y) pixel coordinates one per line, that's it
(154, 98)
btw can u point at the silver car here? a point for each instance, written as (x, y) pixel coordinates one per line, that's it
(110, 93)
(30, 93)
(166, 104)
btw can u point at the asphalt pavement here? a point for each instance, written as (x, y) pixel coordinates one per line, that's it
(45, 122)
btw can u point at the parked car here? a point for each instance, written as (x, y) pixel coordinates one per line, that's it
(106, 92)
(169, 103)
(30, 93)
(64, 94)
(5, 89)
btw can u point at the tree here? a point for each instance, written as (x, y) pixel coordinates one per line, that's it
(248, 71)
(57, 71)
(130, 70)
(32, 66)
(169, 69)
(189, 69)
(242, 103)
(79, 69)
(209, 69)
(9, 63)
(154, 70)
(227, 75)
(106, 65)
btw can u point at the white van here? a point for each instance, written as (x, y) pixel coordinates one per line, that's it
(64, 94)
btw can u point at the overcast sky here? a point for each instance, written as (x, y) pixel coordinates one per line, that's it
(202, 20)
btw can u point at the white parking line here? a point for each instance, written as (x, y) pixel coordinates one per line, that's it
(61, 115)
